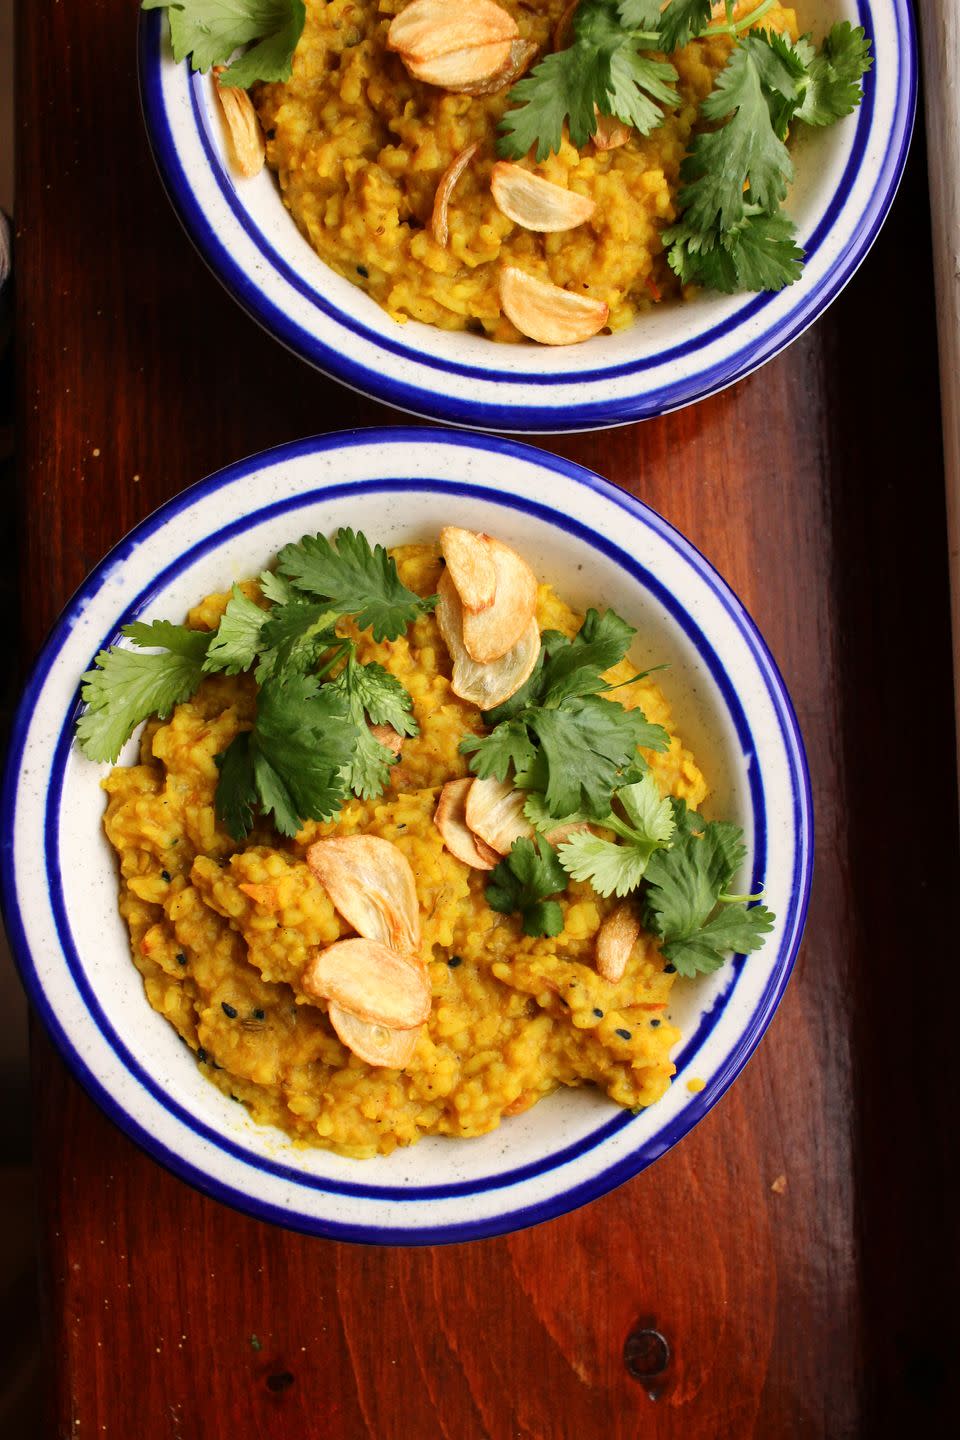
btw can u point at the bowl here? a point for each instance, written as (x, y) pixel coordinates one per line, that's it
(597, 545)
(846, 179)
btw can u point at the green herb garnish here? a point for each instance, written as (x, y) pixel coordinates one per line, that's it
(354, 579)
(125, 687)
(311, 743)
(732, 233)
(295, 762)
(606, 66)
(522, 883)
(561, 736)
(639, 815)
(209, 31)
(686, 904)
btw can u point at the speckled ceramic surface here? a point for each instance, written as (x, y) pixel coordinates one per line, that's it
(846, 177)
(596, 545)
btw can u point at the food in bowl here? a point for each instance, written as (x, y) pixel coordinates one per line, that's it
(410, 844)
(643, 153)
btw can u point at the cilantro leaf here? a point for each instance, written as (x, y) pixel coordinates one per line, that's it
(613, 868)
(610, 868)
(295, 757)
(603, 71)
(384, 698)
(126, 687)
(236, 642)
(274, 587)
(369, 690)
(209, 31)
(178, 639)
(522, 882)
(586, 741)
(687, 821)
(558, 734)
(636, 82)
(760, 253)
(236, 793)
(685, 885)
(562, 88)
(509, 744)
(833, 76)
(744, 152)
(294, 637)
(681, 21)
(354, 579)
(368, 769)
(733, 930)
(575, 667)
(639, 14)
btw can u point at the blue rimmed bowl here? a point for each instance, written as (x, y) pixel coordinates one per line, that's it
(597, 545)
(846, 178)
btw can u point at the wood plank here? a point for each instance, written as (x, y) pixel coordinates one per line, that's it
(816, 488)
(940, 36)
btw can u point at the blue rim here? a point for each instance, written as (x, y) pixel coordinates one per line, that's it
(516, 1219)
(589, 414)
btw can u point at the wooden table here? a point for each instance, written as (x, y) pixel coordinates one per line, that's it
(820, 1309)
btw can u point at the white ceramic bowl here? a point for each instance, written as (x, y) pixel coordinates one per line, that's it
(598, 546)
(846, 178)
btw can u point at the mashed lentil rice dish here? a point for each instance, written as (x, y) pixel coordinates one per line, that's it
(408, 848)
(362, 148)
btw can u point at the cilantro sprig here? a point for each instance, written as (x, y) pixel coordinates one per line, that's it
(354, 579)
(686, 904)
(606, 69)
(560, 734)
(125, 687)
(209, 31)
(731, 233)
(294, 763)
(523, 882)
(309, 746)
(641, 818)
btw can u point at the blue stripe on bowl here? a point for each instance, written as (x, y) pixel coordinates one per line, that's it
(524, 1215)
(654, 400)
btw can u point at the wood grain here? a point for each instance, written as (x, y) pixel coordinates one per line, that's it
(940, 35)
(816, 487)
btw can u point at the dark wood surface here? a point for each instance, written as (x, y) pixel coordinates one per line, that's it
(816, 487)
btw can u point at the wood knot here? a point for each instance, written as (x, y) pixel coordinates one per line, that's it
(646, 1354)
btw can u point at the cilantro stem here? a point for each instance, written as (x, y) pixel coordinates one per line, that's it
(734, 27)
(343, 649)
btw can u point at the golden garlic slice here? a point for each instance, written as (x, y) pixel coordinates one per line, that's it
(441, 201)
(372, 981)
(610, 133)
(377, 1044)
(522, 53)
(246, 137)
(483, 685)
(464, 69)
(615, 940)
(427, 28)
(494, 812)
(370, 882)
(470, 565)
(490, 633)
(456, 46)
(548, 313)
(451, 820)
(535, 203)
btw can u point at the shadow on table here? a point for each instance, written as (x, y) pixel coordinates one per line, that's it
(20, 1353)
